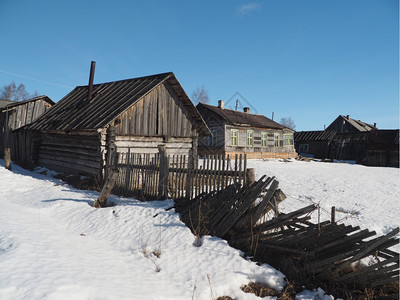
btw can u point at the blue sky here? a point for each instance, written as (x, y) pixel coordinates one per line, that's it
(308, 60)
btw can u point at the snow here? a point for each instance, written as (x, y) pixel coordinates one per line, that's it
(54, 245)
(363, 196)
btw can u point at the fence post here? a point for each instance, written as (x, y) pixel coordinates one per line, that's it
(250, 176)
(163, 179)
(333, 211)
(190, 169)
(7, 158)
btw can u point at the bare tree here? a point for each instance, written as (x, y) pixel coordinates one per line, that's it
(13, 93)
(200, 95)
(8, 91)
(288, 122)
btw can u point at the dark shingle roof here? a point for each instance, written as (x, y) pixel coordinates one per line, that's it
(325, 135)
(235, 117)
(109, 100)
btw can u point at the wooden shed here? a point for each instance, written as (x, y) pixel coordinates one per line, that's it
(138, 114)
(314, 143)
(237, 132)
(14, 115)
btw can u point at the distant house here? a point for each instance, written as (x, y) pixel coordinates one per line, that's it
(314, 143)
(136, 115)
(14, 115)
(351, 140)
(236, 132)
(347, 124)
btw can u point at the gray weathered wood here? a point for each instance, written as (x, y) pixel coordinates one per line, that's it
(107, 188)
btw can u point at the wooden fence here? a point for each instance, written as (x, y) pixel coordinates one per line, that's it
(158, 176)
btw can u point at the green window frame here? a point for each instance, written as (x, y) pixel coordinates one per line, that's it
(264, 139)
(250, 138)
(288, 140)
(234, 137)
(276, 140)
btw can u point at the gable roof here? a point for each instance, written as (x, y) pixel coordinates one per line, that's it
(358, 125)
(13, 104)
(239, 118)
(109, 100)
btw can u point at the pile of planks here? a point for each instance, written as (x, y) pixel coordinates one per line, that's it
(327, 251)
(231, 209)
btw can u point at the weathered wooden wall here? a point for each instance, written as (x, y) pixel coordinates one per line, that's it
(18, 116)
(257, 147)
(76, 153)
(159, 113)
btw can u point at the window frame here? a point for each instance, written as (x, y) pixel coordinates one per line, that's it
(213, 139)
(304, 148)
(264, 138)
(234, 135)
(277, 140)
(288, 140)
(250, 138)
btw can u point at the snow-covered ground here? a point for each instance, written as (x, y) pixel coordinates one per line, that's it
(54, 245)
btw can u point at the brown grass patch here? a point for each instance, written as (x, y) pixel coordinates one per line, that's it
(258, 289)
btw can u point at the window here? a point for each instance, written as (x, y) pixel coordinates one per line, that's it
(213, 138)
(303, 148)
(250, 138)
(234, 137)
(288, 139)
(264, 139)
(276, 140)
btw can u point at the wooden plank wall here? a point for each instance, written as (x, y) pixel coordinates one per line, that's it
(19, 116)
(242, 147)
(160, 113)
(76, 153)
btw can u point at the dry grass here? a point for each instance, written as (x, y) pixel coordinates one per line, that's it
(258, 289)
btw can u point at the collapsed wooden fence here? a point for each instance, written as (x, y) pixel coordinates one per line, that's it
(326, 251)
(158, 176)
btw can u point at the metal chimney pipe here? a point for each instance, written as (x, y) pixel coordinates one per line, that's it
(91, 77)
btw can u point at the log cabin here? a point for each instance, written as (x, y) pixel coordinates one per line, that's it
(236, 132)
(14, 115)
(138, 115)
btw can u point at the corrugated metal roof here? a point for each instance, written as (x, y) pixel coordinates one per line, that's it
(235, 117)
(109, 100)
(320, 135)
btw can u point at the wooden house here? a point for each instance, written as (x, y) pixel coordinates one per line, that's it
(347, 124)
(371, 148)
(136, 115)
(314, 143)
(236, 132)
(351, 140)
(14, 115)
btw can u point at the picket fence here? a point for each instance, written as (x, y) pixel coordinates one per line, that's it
(157, 176)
